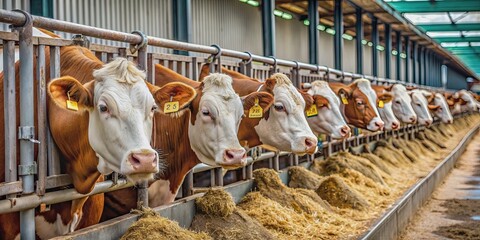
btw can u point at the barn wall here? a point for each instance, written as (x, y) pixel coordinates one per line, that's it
(325, 49)
(455, 80)
(291, 38)
(349, 55)
(367, 60)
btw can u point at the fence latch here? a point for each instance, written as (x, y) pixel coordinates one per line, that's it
(27, 133)
(81, 40)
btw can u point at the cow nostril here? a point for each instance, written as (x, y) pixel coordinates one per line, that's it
(229, 154)
(308, 143)
(134, 160)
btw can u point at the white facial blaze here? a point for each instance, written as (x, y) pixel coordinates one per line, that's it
(329, 119)
(420, 106)
(471, 105)
(387, 115)
(286, 128)
(402, 104)
(444, 111)
(217, 121)
(120, 122)
(366, 88)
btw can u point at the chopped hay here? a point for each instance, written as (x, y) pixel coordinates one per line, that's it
(338, 194)
(301, 177)
(344, 160)
(401, 144)
(152, 226)
(436, 138)
(286, 223)
(216, 202)
(270, 186)
(377, 161)
(237, 225)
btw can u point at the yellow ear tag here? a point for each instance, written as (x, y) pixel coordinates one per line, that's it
(256, 111)
(380, 104)
(171, 106)
(312, 111)
(72, 105)
(344, 99)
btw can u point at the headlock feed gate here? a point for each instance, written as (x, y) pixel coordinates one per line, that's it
(41, 181)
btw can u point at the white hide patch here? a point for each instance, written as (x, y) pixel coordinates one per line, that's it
(420, 106)
(159, 193)
(402, 104)
(365, 87)
(46, 230)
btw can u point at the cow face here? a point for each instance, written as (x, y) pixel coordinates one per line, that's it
(359, 104)
(440, 108)
(216, 116)
(402, 104)
(384, 105)
(471, 104)
(329, 119)
(420, 106)
(285, 126)
(121, 109)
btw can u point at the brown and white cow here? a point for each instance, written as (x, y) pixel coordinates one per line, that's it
(328, 119)
(283, 127)
(384, 106)
(110, 131)
(359, 103)
(439, 107)
(421, 107)
(198, 134)
(402, 103)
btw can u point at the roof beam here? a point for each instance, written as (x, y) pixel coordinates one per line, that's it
(457, 39)
(436, 6)
(450, 27)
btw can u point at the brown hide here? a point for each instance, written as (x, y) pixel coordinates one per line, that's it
(358, 116)
(78, 159)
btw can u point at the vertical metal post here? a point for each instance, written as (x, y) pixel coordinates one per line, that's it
(53, 152)
(427, 68)
(42, 120)
(142, 187)
(388, 51)
(338, 21)
(219, 177)
(358, 40)
(187, 185)
(415, 63)
(398, 71)
(420, 64)
(424, 66)
(27, 167)
(182, 22)
(374, 46)
(313, 31)
(276, 162)
(407, 59)
(268, 27)
(10, 111)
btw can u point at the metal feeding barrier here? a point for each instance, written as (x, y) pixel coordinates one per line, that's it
(27, 194)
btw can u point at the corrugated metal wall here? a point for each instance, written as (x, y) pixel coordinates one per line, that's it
(291, 38)
(349, 56)
(367, 60)
(153, 17)
(455, 80)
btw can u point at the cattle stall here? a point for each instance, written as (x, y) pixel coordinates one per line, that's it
(42, 182)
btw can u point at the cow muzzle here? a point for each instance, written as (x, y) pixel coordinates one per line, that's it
(143, 161)
(234, 158)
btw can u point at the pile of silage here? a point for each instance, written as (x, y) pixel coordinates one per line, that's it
(301, 177)
(152, 226)
(338, 194)
(218, 216)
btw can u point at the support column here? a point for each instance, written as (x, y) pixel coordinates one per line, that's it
(338, 19)
(268, 27)
(358, 40)
(398, 72)
(424, 65)
(407, 59)
(415, 63)
(313, 31)
(388, 51)
(374, 46)
(182, 22)
(420, 65)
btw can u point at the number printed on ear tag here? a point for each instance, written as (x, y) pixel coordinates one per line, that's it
(256, 111)
(312, 111)
(381, 104)
(171, 107)
(72, 105)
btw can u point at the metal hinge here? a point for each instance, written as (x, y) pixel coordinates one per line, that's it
(24, 170)
(27, 133)
(81, 40)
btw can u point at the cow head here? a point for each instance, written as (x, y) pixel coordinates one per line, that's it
(440, 108)
(471, 104)
(120, 108)
(420, 106)
(384, 106)
(216, 115)
(329, 119)
(359, 104)
(402, 104)
(285, 126)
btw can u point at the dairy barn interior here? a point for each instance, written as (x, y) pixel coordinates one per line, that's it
(240, 119)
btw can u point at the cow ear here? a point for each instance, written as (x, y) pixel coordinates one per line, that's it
(433, 107)
(270, 84)
(321, 101)
(385, 97)
(305, 85)
(307, 98)
(173, 92)
(450, 102)
(388, 88)
(265, 100)
(409, 88)
(430, 96)
(68, 93)
(344, 92)
(204, 72)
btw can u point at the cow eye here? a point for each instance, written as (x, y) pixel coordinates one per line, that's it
(397, 102)
(359, 103)
(205, 112)
(279, 108)
(103, 108)
(154, 108)
(418, 104)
